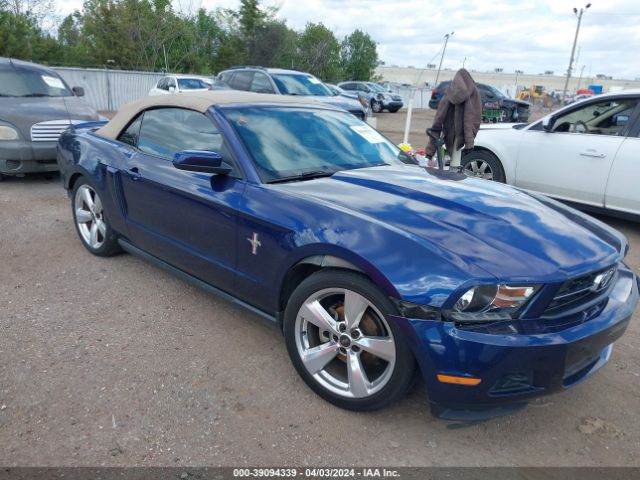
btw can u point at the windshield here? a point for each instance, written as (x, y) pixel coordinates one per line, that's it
(375, 87)
(496, 92)
(290, 142)
(192, 84)
(21, 81)
(300, 84)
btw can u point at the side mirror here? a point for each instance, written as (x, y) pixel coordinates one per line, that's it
(201, 161)
(78, 91)
(172, 88)
(547, 123)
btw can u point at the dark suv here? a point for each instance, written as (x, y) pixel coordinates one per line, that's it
(287, 82)
(512, 110)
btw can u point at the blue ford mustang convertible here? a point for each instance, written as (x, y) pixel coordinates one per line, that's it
(374, 269)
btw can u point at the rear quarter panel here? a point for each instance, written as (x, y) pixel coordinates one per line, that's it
(82, 154)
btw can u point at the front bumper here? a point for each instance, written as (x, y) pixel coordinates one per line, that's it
(515, 367)
(392, 104)
(20, 156)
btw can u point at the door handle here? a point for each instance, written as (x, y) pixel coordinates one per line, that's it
(592, 153)
(134, 174)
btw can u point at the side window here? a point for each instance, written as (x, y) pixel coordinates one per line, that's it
(130, 135)
(348, 86)
(166, 131)
(225, 77)
(261, 84)
(161, 84)
(602, 118)
(242, 80)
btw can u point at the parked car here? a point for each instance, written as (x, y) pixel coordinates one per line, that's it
(180, 84)
(36, 105)
(303, 214)
(337, 91)
(288, 82)
(377, 96)
(586, 153)
(511, 109)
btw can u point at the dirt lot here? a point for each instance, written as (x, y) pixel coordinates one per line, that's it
(115, 362)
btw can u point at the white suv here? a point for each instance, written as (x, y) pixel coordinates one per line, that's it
(180, 83)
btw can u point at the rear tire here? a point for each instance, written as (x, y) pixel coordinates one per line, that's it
(342, 344)
(91, 221)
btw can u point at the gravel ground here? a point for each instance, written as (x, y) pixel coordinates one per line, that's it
(115, 362)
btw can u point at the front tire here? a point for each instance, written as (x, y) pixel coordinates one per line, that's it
(482, 164)
(91, 222)
(394, 110)
(342, 344)
(376, 106)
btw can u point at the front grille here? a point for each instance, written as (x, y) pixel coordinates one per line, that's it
(581, 290)
(50, 130)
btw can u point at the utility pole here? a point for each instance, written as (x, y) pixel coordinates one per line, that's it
(573, 50)
(580, 78)
(446, 40)
(515, 90)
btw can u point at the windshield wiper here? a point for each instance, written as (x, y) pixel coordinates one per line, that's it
(37, 95)
(310, 175)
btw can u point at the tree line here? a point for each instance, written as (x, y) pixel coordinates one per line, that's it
(150, 35)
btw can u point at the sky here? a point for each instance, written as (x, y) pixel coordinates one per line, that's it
(529, 35)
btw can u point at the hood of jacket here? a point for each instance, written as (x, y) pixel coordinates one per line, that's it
(461, 87)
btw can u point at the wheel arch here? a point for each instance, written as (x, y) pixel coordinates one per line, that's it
(72, 176)
(311, 264)
(509, 174)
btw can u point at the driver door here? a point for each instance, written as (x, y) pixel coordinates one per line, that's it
(572, 161)
(188, 219)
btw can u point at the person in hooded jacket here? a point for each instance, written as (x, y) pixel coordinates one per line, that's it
(458, 116)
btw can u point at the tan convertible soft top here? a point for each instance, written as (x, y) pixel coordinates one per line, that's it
(199, 101)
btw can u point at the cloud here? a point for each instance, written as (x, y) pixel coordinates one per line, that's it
(529, 35)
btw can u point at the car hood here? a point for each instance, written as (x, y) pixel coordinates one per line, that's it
(23, 112)
(504, 231)
(500, 126)
(514, 101)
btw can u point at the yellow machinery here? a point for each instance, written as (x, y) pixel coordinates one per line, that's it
(537, 96)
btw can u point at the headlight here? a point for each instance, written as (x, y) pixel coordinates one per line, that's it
(8, 133)
(492, 298)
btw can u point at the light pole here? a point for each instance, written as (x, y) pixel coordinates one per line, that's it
(515, 90)
(446, 40)
(573, 50)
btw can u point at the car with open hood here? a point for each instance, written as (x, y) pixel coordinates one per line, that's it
(373, 269)
(36, 105)
(510, 109)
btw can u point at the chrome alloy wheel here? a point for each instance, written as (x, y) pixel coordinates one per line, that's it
(345, 343)
(90, 217)
(478, 168)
